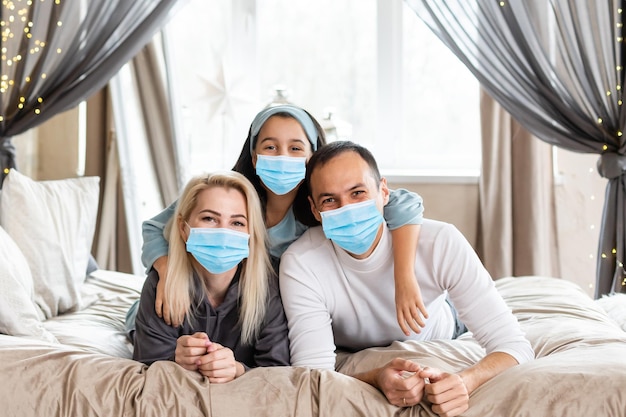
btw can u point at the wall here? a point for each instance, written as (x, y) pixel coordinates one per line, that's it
(51, 151)
(579, 200)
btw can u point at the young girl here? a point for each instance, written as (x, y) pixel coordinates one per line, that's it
(220, 286)
(280, 142)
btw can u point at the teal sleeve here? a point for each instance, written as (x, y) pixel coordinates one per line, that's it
(154, 243)
(404, 207)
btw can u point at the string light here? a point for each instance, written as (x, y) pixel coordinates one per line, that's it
(15, 24)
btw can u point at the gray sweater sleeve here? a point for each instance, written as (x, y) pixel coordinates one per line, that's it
(154, 339)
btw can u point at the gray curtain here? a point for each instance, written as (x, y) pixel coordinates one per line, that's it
(59, 53)
(565, 88)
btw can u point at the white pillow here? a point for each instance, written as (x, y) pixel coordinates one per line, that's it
(53, 223)
(19, 316)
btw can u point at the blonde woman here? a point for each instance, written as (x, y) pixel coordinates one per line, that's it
(221, 284)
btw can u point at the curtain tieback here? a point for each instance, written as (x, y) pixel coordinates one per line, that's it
(611, 165)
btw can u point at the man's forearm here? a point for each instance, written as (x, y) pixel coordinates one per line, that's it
(490, 366)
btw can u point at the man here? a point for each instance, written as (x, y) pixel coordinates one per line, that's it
(337, 287)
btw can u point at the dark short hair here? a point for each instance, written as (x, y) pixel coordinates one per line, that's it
(333, 149)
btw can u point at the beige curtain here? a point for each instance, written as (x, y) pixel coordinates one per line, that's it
(151, 83)
(110, 247)
(517, 225)
(112, 243)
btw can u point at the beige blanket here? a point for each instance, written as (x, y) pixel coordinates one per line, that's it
(580, 368)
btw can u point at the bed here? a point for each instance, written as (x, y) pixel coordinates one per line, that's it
(75, 361)
(580, 366)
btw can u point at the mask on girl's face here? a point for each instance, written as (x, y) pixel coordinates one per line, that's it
(353, 227)
(280, 174)
(218, 250)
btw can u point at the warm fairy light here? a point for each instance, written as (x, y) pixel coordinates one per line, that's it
(619, 133)
(18, 39)
(608, 93)
(599, 120)
(605, 147)
(614, 251)
(603, 256)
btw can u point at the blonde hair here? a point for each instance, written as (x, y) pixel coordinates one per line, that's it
(180, 288)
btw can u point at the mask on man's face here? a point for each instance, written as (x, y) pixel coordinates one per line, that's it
(353, 227)
(218, 250)
(280, 174)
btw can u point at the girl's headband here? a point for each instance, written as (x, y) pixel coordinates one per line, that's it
(297, 113)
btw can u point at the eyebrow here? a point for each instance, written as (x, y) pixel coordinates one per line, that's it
(302, 141)
(217, 214)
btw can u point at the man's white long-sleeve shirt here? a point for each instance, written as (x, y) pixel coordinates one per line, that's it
(334, 300)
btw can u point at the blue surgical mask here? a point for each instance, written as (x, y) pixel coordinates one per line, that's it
(280, 174)
(218, 250)
(353, 227)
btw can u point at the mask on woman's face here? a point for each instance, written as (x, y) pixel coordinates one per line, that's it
(280, 174)
(353, 227)
(218, 250)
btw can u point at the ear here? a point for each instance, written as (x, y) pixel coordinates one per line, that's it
(254, 158)
(182, 229)
(384, 190)
(314, 210)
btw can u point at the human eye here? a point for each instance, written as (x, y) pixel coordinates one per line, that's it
(269, 148)
(209, 219)
(359, 195)
(328, 203)
(238, 224)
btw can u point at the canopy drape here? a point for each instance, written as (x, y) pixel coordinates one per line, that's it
(558, 68)
(56, 53)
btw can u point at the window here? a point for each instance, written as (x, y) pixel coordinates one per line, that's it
(372, 64)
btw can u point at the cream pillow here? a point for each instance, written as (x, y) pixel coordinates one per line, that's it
(52, 223)
(19, 316)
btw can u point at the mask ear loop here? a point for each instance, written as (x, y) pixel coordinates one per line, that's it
(189, 232)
